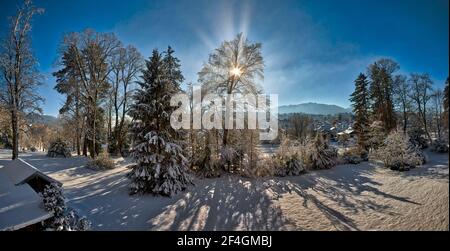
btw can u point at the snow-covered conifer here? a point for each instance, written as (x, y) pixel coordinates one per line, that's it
(360, 103)
(161, 166)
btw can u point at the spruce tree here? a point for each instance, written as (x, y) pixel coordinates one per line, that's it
(360, 103)
(161, 166)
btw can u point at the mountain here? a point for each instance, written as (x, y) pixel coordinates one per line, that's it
(313, 108)
(34, 118)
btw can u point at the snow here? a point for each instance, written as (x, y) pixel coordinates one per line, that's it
(346, 197)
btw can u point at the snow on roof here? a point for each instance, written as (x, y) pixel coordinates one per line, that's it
(20, 205)
(20, 172)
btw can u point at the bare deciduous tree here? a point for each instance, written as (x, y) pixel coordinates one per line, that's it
(437, 101)
(421, 86)
(126, 64)
(402, 98)
(18, 68)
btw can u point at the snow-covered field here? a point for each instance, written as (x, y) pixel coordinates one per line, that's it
(347, 197)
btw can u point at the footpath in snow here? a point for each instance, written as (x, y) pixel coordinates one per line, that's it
(347, 197)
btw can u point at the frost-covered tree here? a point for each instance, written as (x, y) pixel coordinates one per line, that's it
(161, 166)
(19, 76)
(233, 68)
(360, 102)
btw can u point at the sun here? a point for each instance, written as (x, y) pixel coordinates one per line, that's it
(236, 71)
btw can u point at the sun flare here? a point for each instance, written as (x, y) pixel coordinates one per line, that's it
(236, 71)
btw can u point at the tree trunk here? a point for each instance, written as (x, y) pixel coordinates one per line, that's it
(94, 135)
(85, 144)
(425, 125)
(405, 120)
(15, 135)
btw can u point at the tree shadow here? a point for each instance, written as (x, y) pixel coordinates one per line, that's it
(228, 203)
(435, 168)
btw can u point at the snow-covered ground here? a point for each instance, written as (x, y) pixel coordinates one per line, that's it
(347, 197)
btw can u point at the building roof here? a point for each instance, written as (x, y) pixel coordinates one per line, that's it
(21, 172)
(20, 205)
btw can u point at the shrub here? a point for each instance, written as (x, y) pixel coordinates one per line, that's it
(354, 155)
(285, 162)
(64, 219)
(319, 155)
(276, 165)
(398, 153)
(290, 166)
(439, 146)
(289, 159)
(417, 137)
(58, 148)
(265, 167)
(102, 162)
(33, 149)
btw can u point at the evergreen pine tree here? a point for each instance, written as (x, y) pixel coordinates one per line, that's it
(161, 167)
(360, 101)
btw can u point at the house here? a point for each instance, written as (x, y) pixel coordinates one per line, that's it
(346, 135)
(21, 206)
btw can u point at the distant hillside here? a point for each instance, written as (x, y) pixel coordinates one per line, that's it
(313, 108)
(35, 118)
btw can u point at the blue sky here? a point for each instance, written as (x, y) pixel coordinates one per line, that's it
(313, 50)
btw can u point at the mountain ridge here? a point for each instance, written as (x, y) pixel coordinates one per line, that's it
(313, 108)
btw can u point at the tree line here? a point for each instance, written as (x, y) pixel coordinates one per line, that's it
(410, 103)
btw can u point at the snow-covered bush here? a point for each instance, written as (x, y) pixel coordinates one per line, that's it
(398, 153)
(290, 166)
(263, 168)
(289, 159)
(285, 162)
(58, 148)
(354, 155)
(439, 146)
(319, 155)
(64, 219)
(417, 137)
(102, 162)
